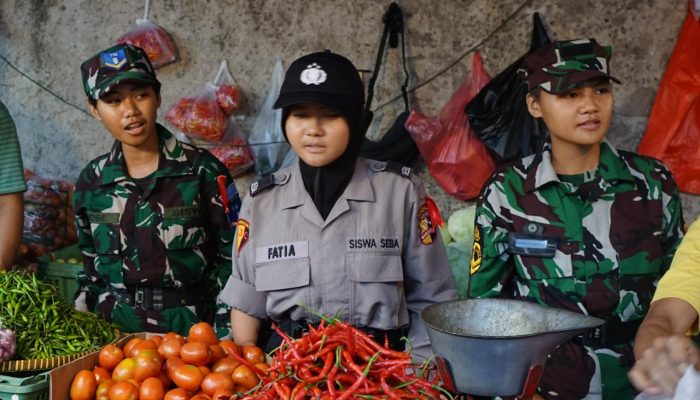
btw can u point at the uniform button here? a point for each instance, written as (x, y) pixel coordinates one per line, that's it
(183, 302)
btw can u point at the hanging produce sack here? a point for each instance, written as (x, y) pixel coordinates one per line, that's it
(153, 39)
(49, 222)
(498, 114)
(205, 116)
(455, 157)
(267, 142)
(673, 130)
(234, 153)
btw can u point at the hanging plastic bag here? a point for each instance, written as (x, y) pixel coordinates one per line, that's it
(226, 90)
(455, 157)
(395, 144)
(673, 129)
(267, 140)
(235, 153)
(199, 116)
(49, 222)
(205, 116)
(153, 39)
(498, 114)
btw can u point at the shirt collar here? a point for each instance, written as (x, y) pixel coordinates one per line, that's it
(541, 172)
(173, 159)
(359, 188)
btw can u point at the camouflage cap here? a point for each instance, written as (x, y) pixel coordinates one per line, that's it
(560, 66)
(107, 68)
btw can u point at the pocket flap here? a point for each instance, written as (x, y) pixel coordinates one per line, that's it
(374, 267)
(282, 275)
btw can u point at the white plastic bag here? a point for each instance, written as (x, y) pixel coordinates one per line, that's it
(267, 140)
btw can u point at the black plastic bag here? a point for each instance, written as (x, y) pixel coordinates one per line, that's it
(498, 114)
(396, 144)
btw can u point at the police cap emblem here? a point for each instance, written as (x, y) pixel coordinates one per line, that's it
(313, 75)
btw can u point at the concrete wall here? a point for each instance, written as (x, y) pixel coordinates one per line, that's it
(43, 42)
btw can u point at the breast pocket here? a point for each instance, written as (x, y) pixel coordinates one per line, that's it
(377, 290)
(106, 239)
(286, 283)
(181, 232)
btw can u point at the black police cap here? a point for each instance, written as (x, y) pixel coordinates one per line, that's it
(325, 78)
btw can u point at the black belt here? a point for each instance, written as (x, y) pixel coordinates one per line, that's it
(295, 329)
(156, 298)
(612, 332)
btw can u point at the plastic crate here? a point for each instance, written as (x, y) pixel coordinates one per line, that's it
(35, 387)
(55, 269)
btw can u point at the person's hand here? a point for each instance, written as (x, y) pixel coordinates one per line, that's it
(663, 364)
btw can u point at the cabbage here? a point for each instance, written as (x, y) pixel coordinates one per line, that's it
(460, 225)
(446, 237)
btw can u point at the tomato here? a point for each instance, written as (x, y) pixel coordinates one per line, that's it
(253, 353)
(230, 347)
(217, 352)
(174, 335)
(187, 377)
(196, 353)
(164, 379)
(205, 370)
(226, 365)
(124, 370)
(222, 394)
(84, 385)
(245, 377)
(157, 339)
(171, 364)
(177, 394)
(239, 389)
(216, 380)
(202, 332)
(123, 391)
(130, 345)
(170, 348)
(101, 374)
(110, 356)
(147, 344)
(200, 396)
(148, 364)
(151, 389)
(102, 392)
(263, 366)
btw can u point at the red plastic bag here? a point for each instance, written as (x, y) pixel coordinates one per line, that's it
(673, 130)
(455, 157)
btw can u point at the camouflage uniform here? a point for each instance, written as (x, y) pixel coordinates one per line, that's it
(615, 229)
(175, 236)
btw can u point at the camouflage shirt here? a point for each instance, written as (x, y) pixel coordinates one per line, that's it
(173, 235)
(615, 230)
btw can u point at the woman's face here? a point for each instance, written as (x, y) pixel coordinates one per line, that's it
(318, 134)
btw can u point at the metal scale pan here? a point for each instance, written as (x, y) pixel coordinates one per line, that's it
(497, 347)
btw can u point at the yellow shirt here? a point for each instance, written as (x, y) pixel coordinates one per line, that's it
(682, 280)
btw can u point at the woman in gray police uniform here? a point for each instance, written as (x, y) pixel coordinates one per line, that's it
(336, 233)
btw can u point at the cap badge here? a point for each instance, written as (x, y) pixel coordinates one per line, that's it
(313, 75)
(114, 59)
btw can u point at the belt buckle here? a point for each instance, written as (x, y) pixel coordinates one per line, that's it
(138, 297)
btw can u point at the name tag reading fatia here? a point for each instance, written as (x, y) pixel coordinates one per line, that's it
(282, 251)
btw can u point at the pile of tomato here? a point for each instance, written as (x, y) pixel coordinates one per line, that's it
(171, 367)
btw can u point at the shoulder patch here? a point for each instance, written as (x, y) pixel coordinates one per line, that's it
(267, 182)
(392, 166)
